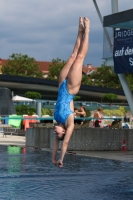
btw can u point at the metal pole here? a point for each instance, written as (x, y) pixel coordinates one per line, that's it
(38, 108)
(114, 4)
(122, 77)
(101, 19)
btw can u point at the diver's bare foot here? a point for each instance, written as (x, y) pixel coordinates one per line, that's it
(81, 26)
(86, 24)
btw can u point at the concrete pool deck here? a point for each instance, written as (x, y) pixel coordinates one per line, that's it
(12, 140)
(126, 156)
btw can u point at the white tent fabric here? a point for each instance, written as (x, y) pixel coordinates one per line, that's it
(19, 98)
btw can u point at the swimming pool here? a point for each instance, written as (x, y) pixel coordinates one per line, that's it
(29, 174)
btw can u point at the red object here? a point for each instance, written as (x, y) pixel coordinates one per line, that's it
(23, 150)
(124, 146)
(27, 121)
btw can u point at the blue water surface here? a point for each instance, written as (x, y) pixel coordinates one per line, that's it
(29, 174)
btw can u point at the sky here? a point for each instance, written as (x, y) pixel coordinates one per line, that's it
(47, 29)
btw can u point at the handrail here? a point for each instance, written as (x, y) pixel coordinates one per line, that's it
(52, 118)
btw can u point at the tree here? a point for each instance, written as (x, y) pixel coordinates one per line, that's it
(22, 65)
(110, 97)
(76, 98)
(85, 80)
(23, 109)
(55, 67)
(105, 77)
(129, 78)
(33, 95)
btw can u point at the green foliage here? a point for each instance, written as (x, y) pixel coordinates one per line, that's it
(46, 111)
(33, 95)
(85, 80)
(104, 77)
(113, 112)
(20, 110)
(76, 98)
(31, 111)
(88, 113)
(55, 68)
(22, 65)
(110, 97)
(122, 109)
(23, 109)
(107, 112)
(129, 78)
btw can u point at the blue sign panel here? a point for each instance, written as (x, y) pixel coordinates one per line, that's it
(123, 51)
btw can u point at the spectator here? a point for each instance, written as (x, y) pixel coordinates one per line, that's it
(125, 119)
(81, 113)
(97, 115)
(76, 112)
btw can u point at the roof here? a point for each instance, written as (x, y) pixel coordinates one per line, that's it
(44, 66)
(19, 98)
(3, 61)
(122, 19)
(89, 69)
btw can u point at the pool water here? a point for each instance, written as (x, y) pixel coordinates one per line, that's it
(29, 174)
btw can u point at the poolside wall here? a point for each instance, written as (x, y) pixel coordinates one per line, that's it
(83, 139)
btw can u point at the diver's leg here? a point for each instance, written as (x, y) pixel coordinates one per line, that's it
(66, 68)
(75, 72)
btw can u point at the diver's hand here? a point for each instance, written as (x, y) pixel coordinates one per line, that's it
(60, 163)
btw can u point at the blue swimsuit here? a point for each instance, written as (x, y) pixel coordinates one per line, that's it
(62, 108)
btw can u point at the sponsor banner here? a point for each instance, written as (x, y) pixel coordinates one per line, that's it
(123, 51)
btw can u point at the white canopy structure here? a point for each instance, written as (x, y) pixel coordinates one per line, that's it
(19, 99)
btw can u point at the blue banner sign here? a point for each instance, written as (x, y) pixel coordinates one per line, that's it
(123, 51)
